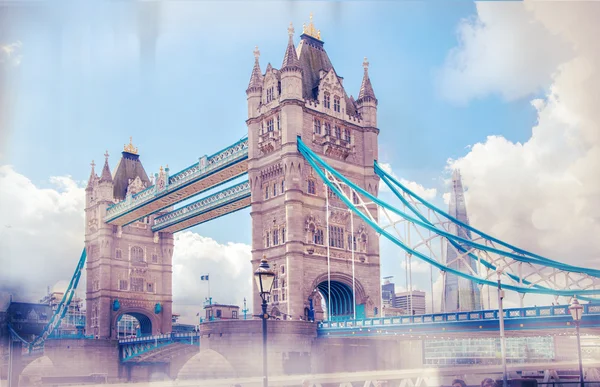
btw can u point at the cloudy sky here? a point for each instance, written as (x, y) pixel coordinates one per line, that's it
(506, 91)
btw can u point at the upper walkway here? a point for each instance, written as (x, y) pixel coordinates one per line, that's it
(222, 203)
(530, 321)
(207, 173)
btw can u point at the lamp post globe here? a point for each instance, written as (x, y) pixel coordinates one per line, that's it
(264, 277)
(576, 310)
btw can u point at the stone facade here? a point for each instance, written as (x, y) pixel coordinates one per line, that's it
(307, 98)
(129, 268)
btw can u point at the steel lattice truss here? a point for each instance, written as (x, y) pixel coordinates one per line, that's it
(423, 231)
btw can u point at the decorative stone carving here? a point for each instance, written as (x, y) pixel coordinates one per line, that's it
(136, 185)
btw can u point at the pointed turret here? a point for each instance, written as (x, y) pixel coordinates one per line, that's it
(460, 294)
(127, 170)
(366, 93)
(290, 59)
(256, 79)
(93, 178)
(291, 71)
(106, 175)
(366, 102)
(254, 90)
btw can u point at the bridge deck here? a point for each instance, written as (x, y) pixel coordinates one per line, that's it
(532, 321)
(222, 203)
(210, 172)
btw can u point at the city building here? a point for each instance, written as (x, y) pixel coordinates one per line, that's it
(73, 322)
(411, 301)
(459, 294)
(388, 291)
(221, 312)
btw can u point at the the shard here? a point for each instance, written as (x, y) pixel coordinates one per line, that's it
(460, 294)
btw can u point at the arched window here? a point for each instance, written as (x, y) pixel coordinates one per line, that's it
(347, 135)
(326, 101)
(275, 237)
(283, 235)
(338, 132)
(274, 189)
(268, 239)
(282, 186)
(327, 129)
(311, 187)
(336, 103)
(363, 242)
(317, 126)
(319, 237)
(137, 254)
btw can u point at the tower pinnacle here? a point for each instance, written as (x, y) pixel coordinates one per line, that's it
(290, 59)
(106, 175)
(92, 176)
(311, 30)
(366, 89)
(255, 83)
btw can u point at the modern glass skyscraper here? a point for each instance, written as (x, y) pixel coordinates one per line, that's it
(460, 294)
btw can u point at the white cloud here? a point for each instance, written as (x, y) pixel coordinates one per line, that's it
(42, 236)
(425, 193)
(9, 53)
(227, 265)
(542, 195)
(41, 232)
(504, 50)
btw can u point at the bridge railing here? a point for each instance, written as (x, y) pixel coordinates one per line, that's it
(175, 336)
(238, 191)
(528, 312)
(235, 152)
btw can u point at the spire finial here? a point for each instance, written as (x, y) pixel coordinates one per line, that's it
(256, 53)
(311, 30)
(291, 30)
(93, 164)
(106, 155)
(366, 64)
(130, 148)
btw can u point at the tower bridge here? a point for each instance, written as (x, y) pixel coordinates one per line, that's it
(310, 157)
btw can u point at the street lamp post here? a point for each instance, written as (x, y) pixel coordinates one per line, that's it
(501, 321)
(576, 310)
(264, 281)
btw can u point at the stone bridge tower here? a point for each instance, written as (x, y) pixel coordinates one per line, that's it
(307, 98)
(129, 268)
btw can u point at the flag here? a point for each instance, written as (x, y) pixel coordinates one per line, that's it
(204, 277)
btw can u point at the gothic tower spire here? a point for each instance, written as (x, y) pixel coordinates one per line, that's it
(366, 102)
(366, 89)
(290, 59)
(460, 294)
(106, 175)
(93, 177)
(256, 78)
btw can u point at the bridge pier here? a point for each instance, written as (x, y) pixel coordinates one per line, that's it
(15, 362)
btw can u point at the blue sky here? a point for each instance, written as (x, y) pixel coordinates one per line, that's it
(82, 86)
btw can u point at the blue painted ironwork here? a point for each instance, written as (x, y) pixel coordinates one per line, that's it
(579, 281)
(133, 347)
(539, 318)
(219, 199)
(205, 167)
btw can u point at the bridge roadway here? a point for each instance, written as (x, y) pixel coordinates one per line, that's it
(407, 377)
(531, 321)
(209, 172)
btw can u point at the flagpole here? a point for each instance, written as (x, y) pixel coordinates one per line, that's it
(208, 279)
